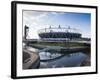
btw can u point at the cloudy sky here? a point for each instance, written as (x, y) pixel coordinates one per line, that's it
(36, 20)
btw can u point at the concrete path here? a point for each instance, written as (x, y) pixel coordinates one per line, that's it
(33, 59)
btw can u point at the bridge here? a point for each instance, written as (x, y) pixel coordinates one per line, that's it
(84, 42)
(29, 41)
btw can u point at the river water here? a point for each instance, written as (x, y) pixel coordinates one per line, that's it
(53, 59)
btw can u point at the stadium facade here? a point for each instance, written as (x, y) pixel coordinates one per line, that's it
(59, 33)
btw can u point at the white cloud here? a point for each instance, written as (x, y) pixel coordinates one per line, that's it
(30, 17)
(56, 13)
(33, 20)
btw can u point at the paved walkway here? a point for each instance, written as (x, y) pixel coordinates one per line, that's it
(33, 58)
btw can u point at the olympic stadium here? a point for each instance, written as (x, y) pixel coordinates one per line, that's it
(59, 33)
